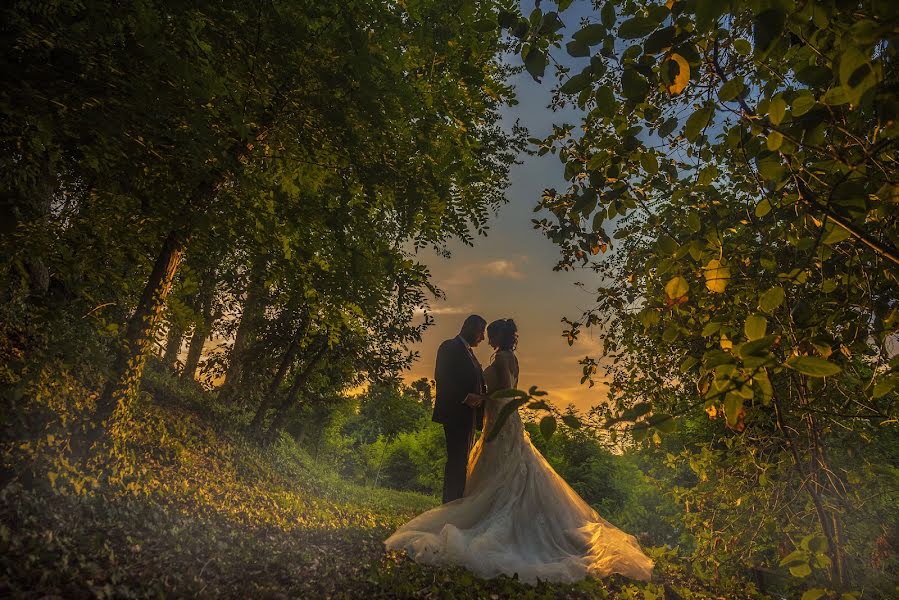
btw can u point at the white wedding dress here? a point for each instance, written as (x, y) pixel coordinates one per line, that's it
(517, 514)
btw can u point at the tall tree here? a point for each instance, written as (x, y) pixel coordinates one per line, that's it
(740, 159)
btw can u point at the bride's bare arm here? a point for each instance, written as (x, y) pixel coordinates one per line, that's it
(504, 365)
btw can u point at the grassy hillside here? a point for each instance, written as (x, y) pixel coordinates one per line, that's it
(186, 506)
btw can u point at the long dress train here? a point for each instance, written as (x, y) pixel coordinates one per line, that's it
(518, 515)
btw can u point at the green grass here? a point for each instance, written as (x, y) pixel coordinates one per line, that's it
(193, 508)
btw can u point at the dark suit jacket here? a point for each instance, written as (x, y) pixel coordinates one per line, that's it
(456, 376)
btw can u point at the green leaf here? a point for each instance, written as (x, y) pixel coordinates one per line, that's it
(484, 25)
(539, 405)
(688, 363)
(668, 127)
(636, 27)
(774, 141)
(730, 90)
(649, 162)
(796, 557)
(834, 234)
(777, 108)
(547, 427)
(535, 63)
(884, 387)
(708, 11)
(670, 334)
(767, 27)
(659, 40)
(571, 421)
(770, 168)
(733, 402)
(591, 34)
(813, 366)
(815, 76)
(698, 121)
(577, 49)
(634, 85)
(576, 84)
(605, 102)
(857, 74)
(757, 348)
(711, 328)
(755, 327)
(608, 14)
(802, 103)
(761, 380)
(836, 96)
(551, 23)
(814, 594)
(636, 411)
(801, 570)
(771, 299)
(664, 423)
(742, 47)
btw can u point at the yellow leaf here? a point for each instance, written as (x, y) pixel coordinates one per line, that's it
(683, 74)
(716, 276)
(677, 287)
(726, 344)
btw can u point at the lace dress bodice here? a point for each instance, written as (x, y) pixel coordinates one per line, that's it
(502, 374)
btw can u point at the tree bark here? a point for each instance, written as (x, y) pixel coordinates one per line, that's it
(298, 382)
(129, 363)
(27, 209)
(139, 336)
(290, 354)
(249, 319)
(812, 485)
(202, 328)
(173, 347)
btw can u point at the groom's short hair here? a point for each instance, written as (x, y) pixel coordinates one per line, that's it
(474, 321)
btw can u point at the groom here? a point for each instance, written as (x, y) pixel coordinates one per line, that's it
(460, 386)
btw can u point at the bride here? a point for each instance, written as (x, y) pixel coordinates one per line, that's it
(517, 515)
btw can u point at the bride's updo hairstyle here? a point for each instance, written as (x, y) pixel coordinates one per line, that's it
(502, 331)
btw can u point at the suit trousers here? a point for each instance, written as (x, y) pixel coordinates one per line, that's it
(459, 441)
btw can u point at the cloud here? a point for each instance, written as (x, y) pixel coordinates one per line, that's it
(472, 273)
(502, 268)
(444, 310)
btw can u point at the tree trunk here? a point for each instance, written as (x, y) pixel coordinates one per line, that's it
(38, 273)
(194, 352)
(173, 347)
(811, 482)
(28, 208)
(290, 354)
(298, 382)
(129, 364)
(249, 318)
(202, 328)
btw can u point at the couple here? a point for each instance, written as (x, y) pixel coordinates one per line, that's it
(505, 510)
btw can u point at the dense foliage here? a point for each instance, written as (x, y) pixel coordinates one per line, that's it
(733, 186)
(233, 193)
(257, 175)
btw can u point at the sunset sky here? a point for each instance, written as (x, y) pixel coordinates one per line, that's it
(509, 273)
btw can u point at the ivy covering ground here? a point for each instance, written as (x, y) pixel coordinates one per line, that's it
(211, 514)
